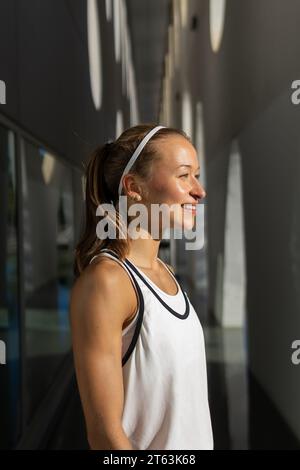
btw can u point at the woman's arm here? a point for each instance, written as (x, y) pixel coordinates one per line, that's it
(97, 315)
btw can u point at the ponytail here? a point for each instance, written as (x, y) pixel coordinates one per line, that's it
(97, 192)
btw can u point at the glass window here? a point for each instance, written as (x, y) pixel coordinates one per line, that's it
(9, 330)
(48, 237)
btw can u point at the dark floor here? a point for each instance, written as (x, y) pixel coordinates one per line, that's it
(243, 417)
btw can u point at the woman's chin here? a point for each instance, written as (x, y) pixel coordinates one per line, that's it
(186, 223)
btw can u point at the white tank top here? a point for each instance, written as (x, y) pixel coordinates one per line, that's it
(164, 369)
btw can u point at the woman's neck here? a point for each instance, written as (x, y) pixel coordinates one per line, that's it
(144, 252)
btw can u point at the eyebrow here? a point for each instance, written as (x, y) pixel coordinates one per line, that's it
(188, 166)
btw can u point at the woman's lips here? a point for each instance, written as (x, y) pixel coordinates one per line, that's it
(190, 208)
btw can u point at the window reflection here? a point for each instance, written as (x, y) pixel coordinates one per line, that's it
(9, 332)
(48, 236)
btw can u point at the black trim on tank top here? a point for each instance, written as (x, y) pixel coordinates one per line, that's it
(178, 315)
(140, 314)
(138, 325)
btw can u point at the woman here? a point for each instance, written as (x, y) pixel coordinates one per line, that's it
(137, 340)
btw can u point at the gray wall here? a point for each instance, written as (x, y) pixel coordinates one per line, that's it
(245, 90)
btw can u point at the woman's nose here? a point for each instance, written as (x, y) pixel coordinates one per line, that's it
(198, 191)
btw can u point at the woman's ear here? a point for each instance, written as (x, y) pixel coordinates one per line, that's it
(131, 184)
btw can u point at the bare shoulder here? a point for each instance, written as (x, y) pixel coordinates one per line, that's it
(103, 288)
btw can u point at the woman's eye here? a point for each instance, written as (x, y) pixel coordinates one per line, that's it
(187, 174)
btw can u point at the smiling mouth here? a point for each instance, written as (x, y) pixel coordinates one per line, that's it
(190, 208)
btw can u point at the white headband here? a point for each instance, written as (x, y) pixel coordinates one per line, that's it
(136, 154)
